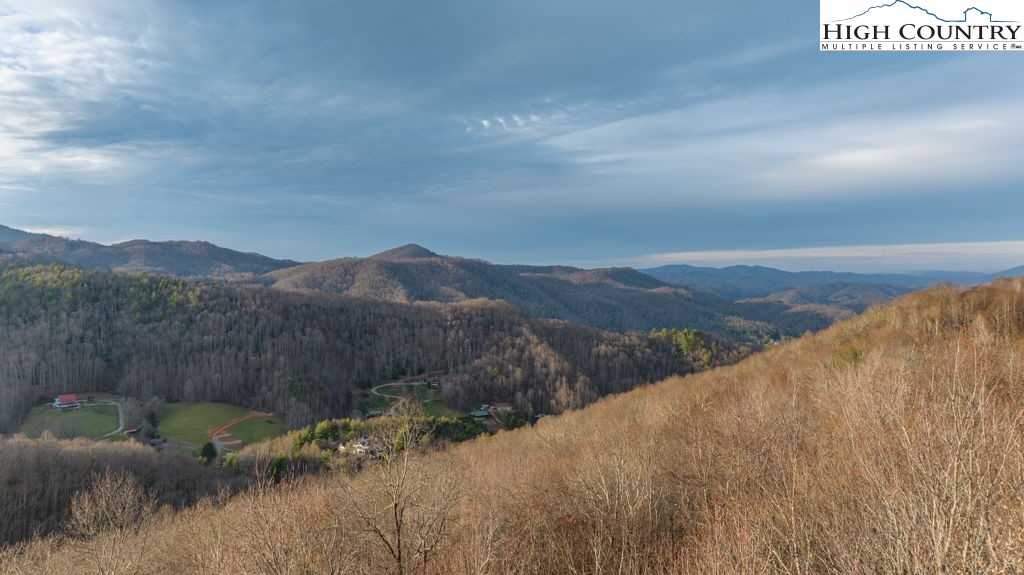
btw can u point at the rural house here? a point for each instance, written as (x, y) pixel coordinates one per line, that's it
(66, 401)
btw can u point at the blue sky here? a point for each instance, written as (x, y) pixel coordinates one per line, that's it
(585, 132)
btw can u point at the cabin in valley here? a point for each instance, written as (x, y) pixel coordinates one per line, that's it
(66, 401)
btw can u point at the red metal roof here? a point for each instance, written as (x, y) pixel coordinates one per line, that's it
(67, 398)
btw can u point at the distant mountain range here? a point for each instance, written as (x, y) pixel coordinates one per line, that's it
(738, 282)
(184, 259)
(617, 299)
(748, 303)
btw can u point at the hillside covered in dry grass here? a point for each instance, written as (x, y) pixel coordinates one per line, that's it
(889, 443)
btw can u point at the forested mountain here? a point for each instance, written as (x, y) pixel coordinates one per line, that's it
(302, 354)
(746, 303)
(12, 235)
(618, 299)
(184, 259)
(842, 296)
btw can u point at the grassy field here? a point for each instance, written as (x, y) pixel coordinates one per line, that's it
(258, 429)
(87, 421)
(440, 409)
(430, 399)
(185, 423)
(190, 422)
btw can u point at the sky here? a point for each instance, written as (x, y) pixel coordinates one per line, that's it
(586, 132)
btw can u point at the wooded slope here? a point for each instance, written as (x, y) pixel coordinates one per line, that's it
(890, 443)
(66, 330)
(617, 299)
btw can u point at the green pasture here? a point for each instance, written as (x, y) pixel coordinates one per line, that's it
(258, 429)
(87, 421)
(190, 422)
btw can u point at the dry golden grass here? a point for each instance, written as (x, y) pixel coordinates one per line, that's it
(891, 443)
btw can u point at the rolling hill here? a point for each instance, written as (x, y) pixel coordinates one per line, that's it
(855, 297)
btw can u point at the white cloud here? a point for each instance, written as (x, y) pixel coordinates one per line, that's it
(54, 65)
(846, 139)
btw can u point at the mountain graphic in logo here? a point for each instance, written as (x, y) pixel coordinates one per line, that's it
(973, 13)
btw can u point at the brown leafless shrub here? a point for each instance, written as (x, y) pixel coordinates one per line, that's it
(403, 503)
(102, 519)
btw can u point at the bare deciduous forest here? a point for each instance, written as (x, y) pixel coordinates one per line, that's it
(890, 443)
(302, 354)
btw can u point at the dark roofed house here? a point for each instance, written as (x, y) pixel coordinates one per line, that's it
(66, 401)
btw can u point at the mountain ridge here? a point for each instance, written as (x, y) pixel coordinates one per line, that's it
(744, 281)
(189, 259)
(616, 299)
(748, 303)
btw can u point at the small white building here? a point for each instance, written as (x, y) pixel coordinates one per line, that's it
(66, 401)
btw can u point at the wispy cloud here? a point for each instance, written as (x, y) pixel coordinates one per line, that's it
(841, 139)
(64, 232)
(981, 256)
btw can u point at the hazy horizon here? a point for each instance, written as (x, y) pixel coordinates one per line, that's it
(986, 258)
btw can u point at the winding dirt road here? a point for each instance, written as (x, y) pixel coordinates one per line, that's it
(219, 435)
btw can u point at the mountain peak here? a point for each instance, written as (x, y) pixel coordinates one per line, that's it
(406, 252)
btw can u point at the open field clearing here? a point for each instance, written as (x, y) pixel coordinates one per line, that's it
(257, 429)
(190, 423)
(88, 421)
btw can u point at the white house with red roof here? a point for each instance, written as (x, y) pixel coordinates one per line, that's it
(66, 401)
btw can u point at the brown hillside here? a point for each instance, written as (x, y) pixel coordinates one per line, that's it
(614, 299)
(890, 443)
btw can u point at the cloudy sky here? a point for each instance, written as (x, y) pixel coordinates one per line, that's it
(591, 132)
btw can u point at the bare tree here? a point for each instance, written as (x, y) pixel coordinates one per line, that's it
(103, 517)
(404, 503)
